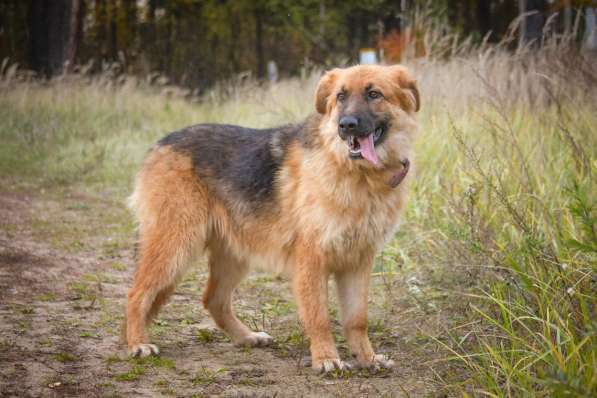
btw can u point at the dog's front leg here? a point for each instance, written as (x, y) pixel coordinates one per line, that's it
(311, 291)
(353, 288)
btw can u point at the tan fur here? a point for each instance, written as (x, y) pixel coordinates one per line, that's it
(331, 216)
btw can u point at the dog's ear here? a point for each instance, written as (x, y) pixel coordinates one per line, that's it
(324, 89)
(408, 92)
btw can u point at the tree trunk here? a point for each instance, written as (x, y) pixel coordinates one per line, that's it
(484, 17)
(38, 32)
(531, 27)
(590, 42)
(76, 31)
(259, 43)
(58, 33)
(522, 6)
(567, 18)
(351, 39)
(49, 27)
(112, 15)
(321, 20)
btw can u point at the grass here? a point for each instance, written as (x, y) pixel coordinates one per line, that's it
(132, 374)
(64, 357)
(205, 376)
(207, 336)
(500, 230)
(88, 334)
(48, 297)
(139, 366)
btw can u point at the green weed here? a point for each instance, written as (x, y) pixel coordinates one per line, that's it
(64, 357)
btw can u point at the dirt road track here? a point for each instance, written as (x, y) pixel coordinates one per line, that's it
(66, 260)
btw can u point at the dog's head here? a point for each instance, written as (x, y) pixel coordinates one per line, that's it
(368, 113)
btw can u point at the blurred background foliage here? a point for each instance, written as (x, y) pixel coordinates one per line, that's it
(194, 43)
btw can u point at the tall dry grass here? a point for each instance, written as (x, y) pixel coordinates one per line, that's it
(501, 226)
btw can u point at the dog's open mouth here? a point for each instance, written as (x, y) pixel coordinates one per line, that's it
(364, 147)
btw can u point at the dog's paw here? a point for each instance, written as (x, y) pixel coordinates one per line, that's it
(255, 339)
(378, 362)
(331, 364)
(143, 350)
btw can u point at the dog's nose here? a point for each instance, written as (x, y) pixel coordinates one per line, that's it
(348, 124)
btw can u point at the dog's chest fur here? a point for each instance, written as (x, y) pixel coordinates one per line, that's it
(346, 218)
(346, 214)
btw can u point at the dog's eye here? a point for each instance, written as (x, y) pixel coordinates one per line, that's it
(341, 96)
(374, 94)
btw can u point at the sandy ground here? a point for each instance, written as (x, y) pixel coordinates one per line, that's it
(66, 260)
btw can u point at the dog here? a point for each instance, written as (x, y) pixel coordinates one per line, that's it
(313, 200)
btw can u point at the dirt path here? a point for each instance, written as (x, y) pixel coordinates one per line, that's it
(66, 260)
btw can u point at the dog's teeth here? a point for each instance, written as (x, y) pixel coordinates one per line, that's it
(377, 133)
(352, 143)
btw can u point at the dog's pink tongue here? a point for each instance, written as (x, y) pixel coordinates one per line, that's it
(368, 149)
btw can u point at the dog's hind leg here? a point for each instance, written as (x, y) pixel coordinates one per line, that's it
(225, 273)
(171, 207)
(164, 258)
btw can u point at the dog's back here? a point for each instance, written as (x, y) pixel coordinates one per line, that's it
(239, 165)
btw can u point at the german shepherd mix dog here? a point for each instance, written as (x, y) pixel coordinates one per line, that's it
(311, 200)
